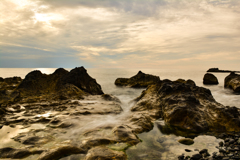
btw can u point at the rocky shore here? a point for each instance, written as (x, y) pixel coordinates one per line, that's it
(228, 149)
(49, 114)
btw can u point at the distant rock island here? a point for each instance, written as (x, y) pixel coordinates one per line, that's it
(218, 70)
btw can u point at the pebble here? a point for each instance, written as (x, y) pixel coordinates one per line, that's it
(229, 149)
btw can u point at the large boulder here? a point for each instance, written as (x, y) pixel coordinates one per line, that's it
(210, 79)
(75, 82)
(232, 81)
(138, 81)
(187, 107)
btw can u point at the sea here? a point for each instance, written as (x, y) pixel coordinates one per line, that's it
(155, 144)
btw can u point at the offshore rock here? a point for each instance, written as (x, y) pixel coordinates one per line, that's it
(232, 81)
(210, 79)
(219, 70)
(140, 80)
(187, 107)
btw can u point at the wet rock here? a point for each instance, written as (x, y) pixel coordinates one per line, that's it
(210, 79)
(17, 153)
(93, 142)
(232, 81)
(124, 134)
(138, 81)
(31, 140)
(60, 152)
(187, 107)
(104, 153)
(186, 141)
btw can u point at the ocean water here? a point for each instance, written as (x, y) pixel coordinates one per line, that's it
(150, 148)
(106, 78)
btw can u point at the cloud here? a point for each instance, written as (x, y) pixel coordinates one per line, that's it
(113, 33)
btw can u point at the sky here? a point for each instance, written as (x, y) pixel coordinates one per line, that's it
(158, 34)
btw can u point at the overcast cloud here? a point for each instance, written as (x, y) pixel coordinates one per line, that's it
(120, 33)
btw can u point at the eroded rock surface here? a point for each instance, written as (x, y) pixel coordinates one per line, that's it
(187, 107)
(104, 153)
(140, 80)
(232, 81)
(210, 79)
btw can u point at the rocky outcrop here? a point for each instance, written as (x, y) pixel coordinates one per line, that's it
(187, 107)
(210, 79)
(140, 80)
(7, 86)
(232, 81)
(36, 82)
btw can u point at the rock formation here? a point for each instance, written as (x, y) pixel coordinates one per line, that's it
(140, 80)
(232, 81)
(187, 107)
(210, 79)
(59, 85)
(219, 70)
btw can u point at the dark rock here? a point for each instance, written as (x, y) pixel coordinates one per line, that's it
(218, 70)
(186, 141)
(104, 153)
(80, 78)
(141, 80)
(187, 107)
(181, 157)
(188, 150)
(209, 79)
(220, 144)
(196, 157)
(232, 81)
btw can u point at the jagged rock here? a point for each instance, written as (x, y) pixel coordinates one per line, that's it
(138, 81)
(60, 152)
(187, 107)
(232, 81)
(59, 85)
(79, 77)
(210, 79)
(104, 153)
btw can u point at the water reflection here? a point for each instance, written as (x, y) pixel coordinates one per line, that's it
(156, 145)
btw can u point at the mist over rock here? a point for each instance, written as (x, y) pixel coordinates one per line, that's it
(232, 81)
(187, 107)
(210, 79)
(140, 80)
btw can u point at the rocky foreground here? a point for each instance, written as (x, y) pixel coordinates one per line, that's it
(53, 111)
